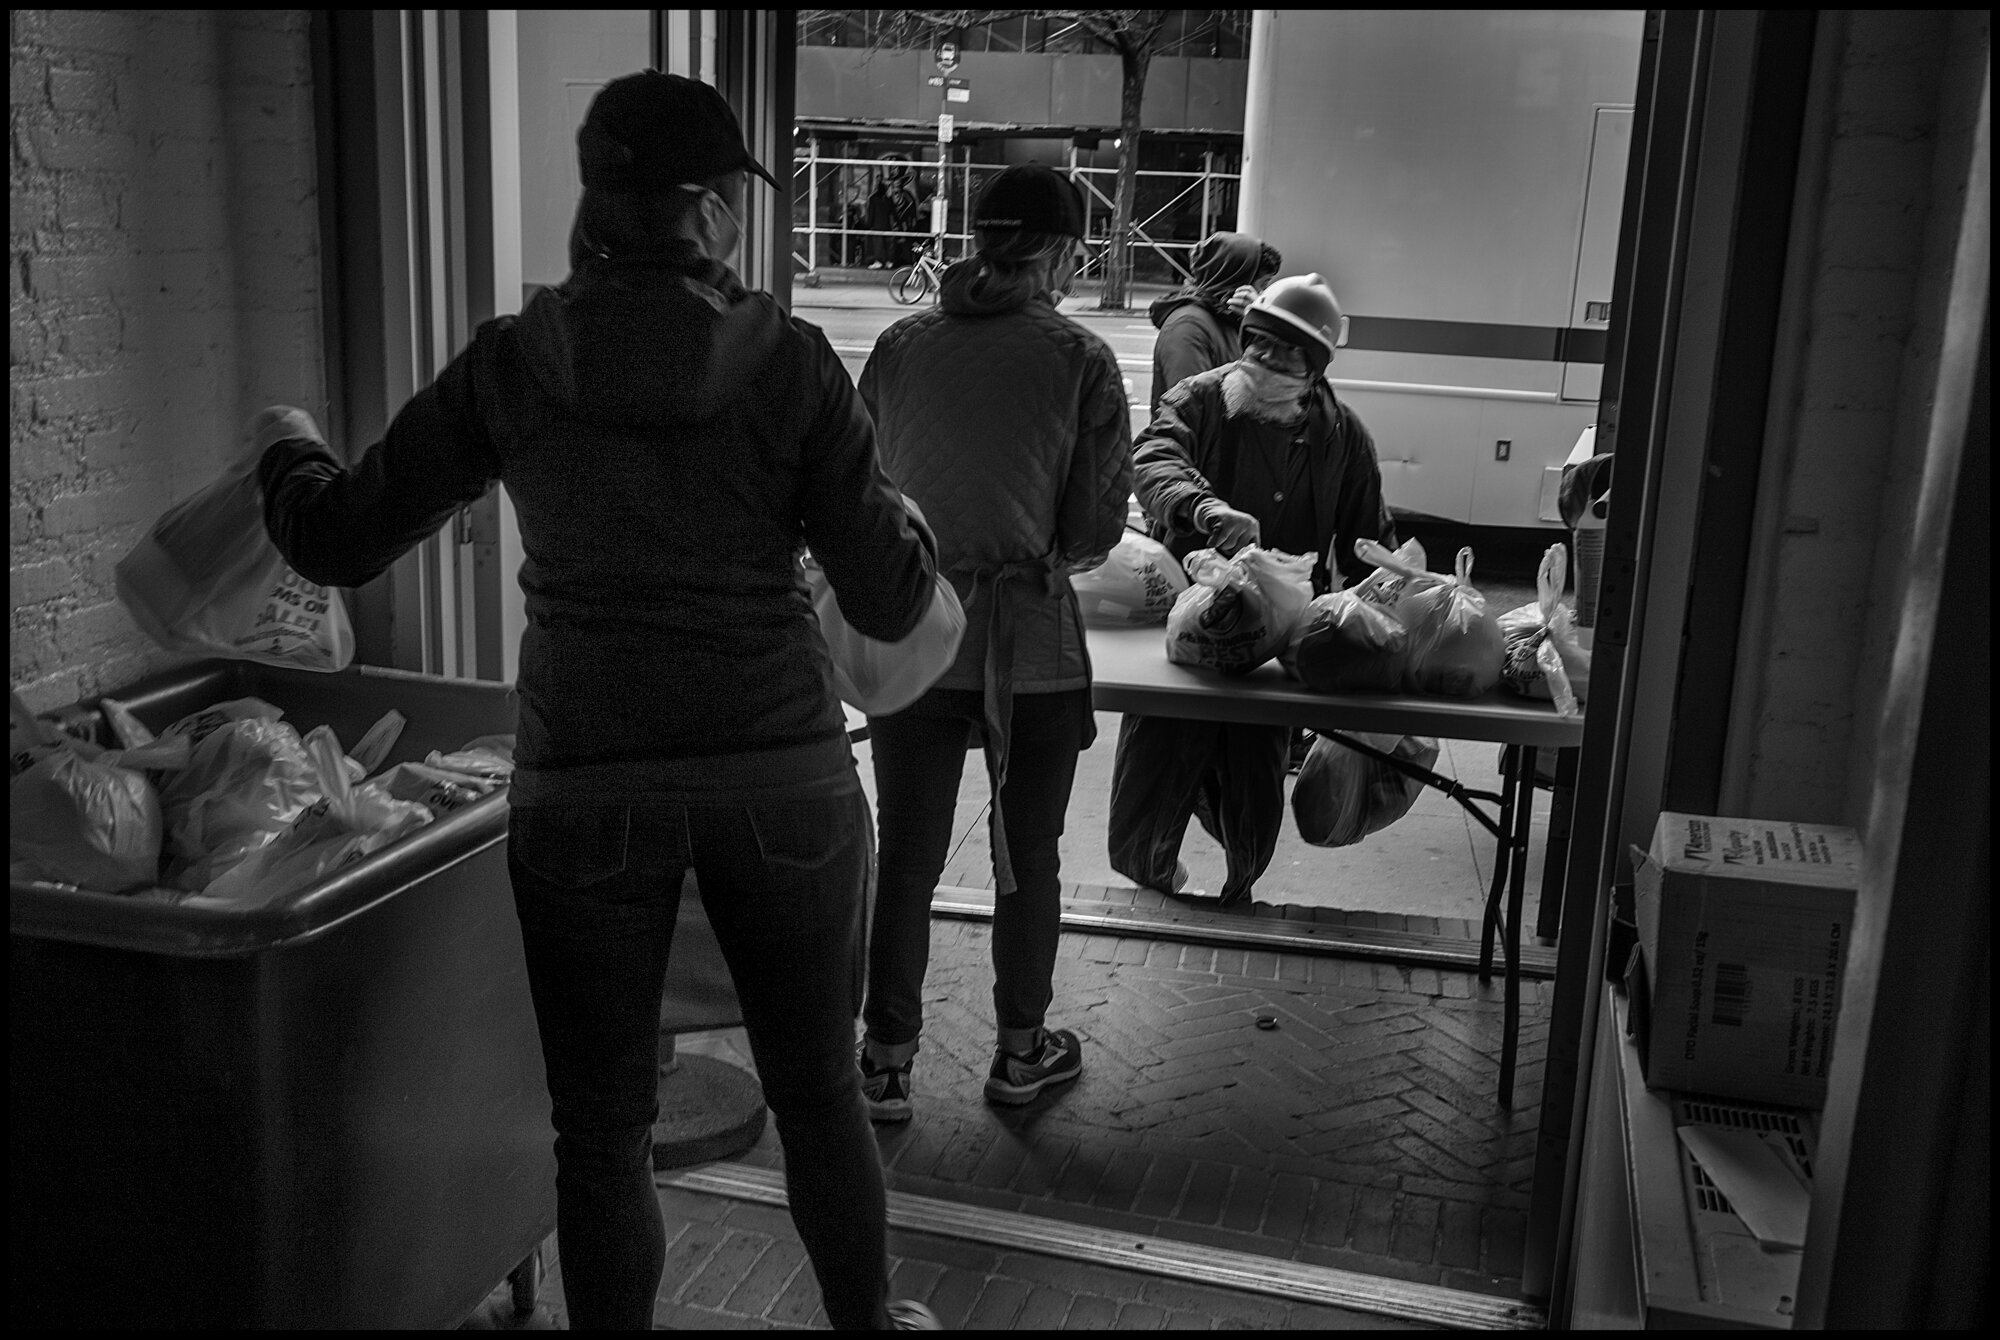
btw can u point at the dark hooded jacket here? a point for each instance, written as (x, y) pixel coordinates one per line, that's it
(1197, 331)
(669, 441)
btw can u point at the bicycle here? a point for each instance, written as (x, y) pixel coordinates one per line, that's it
(912, 283)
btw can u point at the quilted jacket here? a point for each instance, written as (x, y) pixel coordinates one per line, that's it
(668, 440)
(1009, 427)
(1188, 454)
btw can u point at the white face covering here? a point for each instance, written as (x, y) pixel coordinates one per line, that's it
(1264, 394)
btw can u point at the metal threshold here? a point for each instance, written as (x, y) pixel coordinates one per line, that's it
(1537, 961)
(1185, 1261)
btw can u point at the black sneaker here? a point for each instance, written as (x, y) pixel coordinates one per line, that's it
(887, 1091)
(1014, 1080)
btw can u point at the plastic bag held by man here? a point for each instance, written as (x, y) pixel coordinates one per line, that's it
(1137, 584)
(1344, 644)
(207, 579)
(1455, 647)
(347, 823)
(1543, 658)
(1239, 612)
(884, 677)
(1343, 795)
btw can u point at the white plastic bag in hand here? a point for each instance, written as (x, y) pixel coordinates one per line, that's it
(1240, 611)
(207, 579)
(876, 677)
(1137, 584)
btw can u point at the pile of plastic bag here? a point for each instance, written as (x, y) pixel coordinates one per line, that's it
(1455, 646)
(1543, 657)
(1239, 612)
(1137, 584)
(229, 806)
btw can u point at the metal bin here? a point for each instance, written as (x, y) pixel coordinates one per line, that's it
(325, 1112)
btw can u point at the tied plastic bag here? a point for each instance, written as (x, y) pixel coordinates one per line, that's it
(1343, 795)
(207, 579)
(1455, 646)
(1137, 584)
(248, 778)
(1345, 644)
(1407, 570)
(876, 677)
(78, 814)
(344, 825)
(1543, 658)
(1239, 612)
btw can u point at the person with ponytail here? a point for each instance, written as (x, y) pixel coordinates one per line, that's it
(1006, 422)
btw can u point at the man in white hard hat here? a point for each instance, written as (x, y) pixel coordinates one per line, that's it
(1259, 451)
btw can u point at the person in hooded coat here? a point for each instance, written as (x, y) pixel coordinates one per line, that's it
(1199, 325)
(1006, 422)
(669, 441)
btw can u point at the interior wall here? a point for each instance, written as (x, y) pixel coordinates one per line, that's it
(163, 286)
(1967, 42)
(566, 55)
(1857, 453)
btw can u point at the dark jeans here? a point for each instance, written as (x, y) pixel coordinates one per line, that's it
(598, 889)
(1229, 776)
(919, 758)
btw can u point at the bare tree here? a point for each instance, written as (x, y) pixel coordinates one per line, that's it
(1132, 33)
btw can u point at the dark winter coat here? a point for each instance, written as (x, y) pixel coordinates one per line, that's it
(1188, 454)
(669, 441)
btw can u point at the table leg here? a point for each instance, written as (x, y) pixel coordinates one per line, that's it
(1555, 860)
(1510, 767)
(1522, 791)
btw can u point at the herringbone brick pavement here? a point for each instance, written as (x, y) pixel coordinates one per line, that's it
(1362, 1132)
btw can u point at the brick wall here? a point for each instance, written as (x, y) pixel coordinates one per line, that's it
(1856, 457)
(163, 285)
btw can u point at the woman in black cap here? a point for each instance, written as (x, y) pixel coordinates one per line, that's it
(1007, 423)
(668, 439)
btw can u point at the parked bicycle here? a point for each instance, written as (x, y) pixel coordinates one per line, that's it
(913, 283)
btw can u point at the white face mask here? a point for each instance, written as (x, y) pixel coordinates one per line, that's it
(1264, 393)
(727, 253)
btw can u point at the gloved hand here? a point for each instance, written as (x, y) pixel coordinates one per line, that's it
(1227, 529)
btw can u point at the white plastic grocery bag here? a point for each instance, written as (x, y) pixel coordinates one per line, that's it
(1136, 584)
(207, 579)
(876, 677)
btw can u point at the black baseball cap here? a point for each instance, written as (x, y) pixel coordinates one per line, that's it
(650, 131)
(1032, 198)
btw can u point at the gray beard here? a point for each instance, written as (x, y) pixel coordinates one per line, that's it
(1241, 396)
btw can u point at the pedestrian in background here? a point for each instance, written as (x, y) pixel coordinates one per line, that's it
(668, 439)
(1198, 325)
(1007, 423)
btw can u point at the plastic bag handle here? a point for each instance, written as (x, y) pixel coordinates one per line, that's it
(1465, 566)
(1372, 552)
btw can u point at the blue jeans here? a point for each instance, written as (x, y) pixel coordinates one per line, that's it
(782, 877)
(919, 758)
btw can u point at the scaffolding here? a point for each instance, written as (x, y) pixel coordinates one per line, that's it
(829, 189)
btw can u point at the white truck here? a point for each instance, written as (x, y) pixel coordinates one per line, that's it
(1458, 177)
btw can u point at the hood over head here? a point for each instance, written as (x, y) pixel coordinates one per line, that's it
(649, 341)
(1221, 263)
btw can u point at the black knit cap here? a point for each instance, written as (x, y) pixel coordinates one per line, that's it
(651, 131)
(1032, 198)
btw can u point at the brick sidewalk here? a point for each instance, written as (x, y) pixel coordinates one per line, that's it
(1362, 1133)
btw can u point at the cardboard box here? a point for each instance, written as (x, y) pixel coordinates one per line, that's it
(1743, 931)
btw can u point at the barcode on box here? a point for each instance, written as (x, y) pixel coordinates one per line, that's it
(1732, 994)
